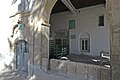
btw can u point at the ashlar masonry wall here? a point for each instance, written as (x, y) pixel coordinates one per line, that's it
(36, 33)
(79, 71)
(40, 13)
(113, 11)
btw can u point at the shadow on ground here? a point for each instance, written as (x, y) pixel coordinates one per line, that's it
(12, 75)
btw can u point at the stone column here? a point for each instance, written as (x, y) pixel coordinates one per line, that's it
(113, 11)
(39, 23)
(45, 27)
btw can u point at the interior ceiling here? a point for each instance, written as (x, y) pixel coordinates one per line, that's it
(60, 7)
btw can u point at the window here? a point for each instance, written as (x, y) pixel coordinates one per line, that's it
(84, 44)
(71, 24)
(101, 21)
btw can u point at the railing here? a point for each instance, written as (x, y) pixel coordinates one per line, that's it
(104, 57)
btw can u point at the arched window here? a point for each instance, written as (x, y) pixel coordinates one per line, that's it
(85, 42)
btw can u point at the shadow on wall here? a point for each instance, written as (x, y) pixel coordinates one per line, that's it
(38, 8)
(36, 34)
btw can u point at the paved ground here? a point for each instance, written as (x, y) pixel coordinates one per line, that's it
(86, 59)
(11, 75)
(38, 75)
(41, 75)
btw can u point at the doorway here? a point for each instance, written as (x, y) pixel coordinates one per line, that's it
(21, 51)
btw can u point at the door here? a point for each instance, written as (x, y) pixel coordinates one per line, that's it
(22, 55)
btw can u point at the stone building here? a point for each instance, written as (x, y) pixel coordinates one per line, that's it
(31, 30)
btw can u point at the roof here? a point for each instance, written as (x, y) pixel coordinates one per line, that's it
(60, 6)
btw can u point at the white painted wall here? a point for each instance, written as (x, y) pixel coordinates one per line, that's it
(86, 21)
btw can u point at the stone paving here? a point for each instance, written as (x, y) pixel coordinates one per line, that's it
(38, 75)
(11, 75)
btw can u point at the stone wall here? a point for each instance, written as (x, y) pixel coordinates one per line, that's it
(79, 70)
(38, 36)
(113, 11)
(115, 56)
(36, 21)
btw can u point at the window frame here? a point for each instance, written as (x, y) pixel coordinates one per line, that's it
(101, 21)
(88, 45)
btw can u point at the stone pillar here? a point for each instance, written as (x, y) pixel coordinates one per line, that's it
(113, 11)
(39, 27)
(45, 27)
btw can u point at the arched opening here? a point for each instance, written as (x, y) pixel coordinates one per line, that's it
(59, 44)
(78, 19)
(21, 50)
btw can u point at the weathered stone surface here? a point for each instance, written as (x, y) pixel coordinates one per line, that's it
(54, 64)
(37, 55)
(62, 66)
(71, 68)
(45, 64)
(45, 42)
(37, 38)
(30, 36)
(116, 40)
(115, 50)
(115, 55)
(115, 62)
(115, 59)
(81, 71)
(105, 74)
(58, 66)
(116, 30)
(115, 73)
(30, 55)
(113, 9)
(48, 8)
(93, 72)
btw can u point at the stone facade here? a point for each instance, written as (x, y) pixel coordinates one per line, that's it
(35, 18)
(113, 10)
(81, 71)
(36, 22)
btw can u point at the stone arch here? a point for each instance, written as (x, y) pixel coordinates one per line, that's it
(47, 10)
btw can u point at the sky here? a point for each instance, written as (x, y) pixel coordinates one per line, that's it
(6, 10)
